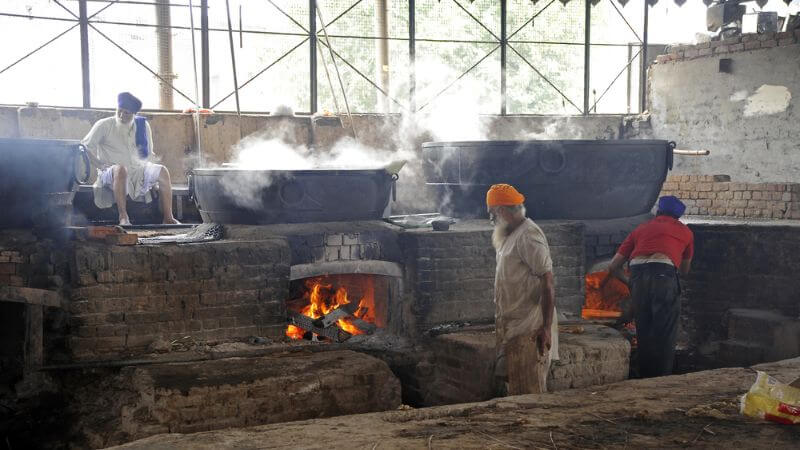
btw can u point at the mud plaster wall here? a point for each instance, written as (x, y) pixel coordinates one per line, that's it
(747, 118)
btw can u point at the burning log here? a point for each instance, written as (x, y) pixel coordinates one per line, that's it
(306, 323)
(329, 308)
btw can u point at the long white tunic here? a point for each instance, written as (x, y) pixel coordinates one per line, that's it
(522, 260)
(114, 144)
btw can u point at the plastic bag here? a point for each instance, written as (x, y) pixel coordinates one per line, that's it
(772, 400)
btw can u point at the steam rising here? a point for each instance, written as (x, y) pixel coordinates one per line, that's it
(455, 115)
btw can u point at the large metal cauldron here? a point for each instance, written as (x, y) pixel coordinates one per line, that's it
(564, 179)
(241, 196)
(37, 177)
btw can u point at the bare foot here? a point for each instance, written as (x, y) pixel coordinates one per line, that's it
(124, 221)
(171, 221)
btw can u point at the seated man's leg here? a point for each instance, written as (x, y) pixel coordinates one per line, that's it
(120, 188)
(165, 196)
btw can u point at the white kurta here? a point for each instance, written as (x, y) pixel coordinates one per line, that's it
(116, 145)
(522, 260)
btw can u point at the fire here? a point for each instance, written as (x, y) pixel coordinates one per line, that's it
(603, 302)
(322, 298)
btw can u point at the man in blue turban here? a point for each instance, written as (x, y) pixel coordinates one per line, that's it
(657, 251)
(122, 149)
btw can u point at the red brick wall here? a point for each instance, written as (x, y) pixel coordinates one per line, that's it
(733, 45)
(717, 195)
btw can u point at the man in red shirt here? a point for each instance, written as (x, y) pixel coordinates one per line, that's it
(657, 251)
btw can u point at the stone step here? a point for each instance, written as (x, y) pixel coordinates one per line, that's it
(741, 353)
(762, 326)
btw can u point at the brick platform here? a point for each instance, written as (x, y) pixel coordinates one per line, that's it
(137, 402)
(460, 365)
(126, 298)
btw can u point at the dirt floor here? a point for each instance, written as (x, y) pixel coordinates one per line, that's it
(693, 410)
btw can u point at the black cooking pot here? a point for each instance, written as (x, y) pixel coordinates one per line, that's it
(561, 179)
(37, 177)
(242, 196)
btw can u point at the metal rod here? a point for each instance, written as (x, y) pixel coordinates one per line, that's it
(29, 54)
(85, 75)
(629, 81)
(382, 53)
(691, 152)
(343, 13)
(138, 61)
(531, 19)
(645, 61)
(204, 54)
(366, 78)
(288, 16)
(594, 106)
(546, 80)
(587, 56)
(412, 55)
(503, 44)
(330, 82)
(625, 19)
(233, 59)
(276, 61)
(312, 34)
(458, 78)
(336, 68)
(197, 135)
(241, 39)
(497, 38)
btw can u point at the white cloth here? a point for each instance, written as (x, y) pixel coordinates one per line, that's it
(522, 260)
(115, 144)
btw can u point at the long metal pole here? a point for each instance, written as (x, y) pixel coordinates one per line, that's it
(204, 54)
(312, 43)
(503, 42)
(412, 56)
(233, 59)
(586, 57)
(84, 19)
(338, 75)
(645, 61)
(196, 100)
(382, 54)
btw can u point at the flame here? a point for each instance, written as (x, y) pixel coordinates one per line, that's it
(322, 299)
(603, 302)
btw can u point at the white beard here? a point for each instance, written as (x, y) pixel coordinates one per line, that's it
(122, 126)
(500, 233)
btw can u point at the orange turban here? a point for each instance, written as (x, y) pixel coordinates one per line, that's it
(503, 195)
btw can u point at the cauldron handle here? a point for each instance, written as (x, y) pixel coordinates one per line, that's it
(395, 177)
(190, 183)
(86, 164)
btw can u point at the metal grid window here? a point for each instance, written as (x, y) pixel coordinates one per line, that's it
(509, 56)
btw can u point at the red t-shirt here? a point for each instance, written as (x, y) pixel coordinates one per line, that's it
(660, 235)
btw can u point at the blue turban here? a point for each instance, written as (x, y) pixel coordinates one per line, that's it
(670, 204)
(126, 100)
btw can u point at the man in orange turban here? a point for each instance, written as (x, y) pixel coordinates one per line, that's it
(524, 294)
